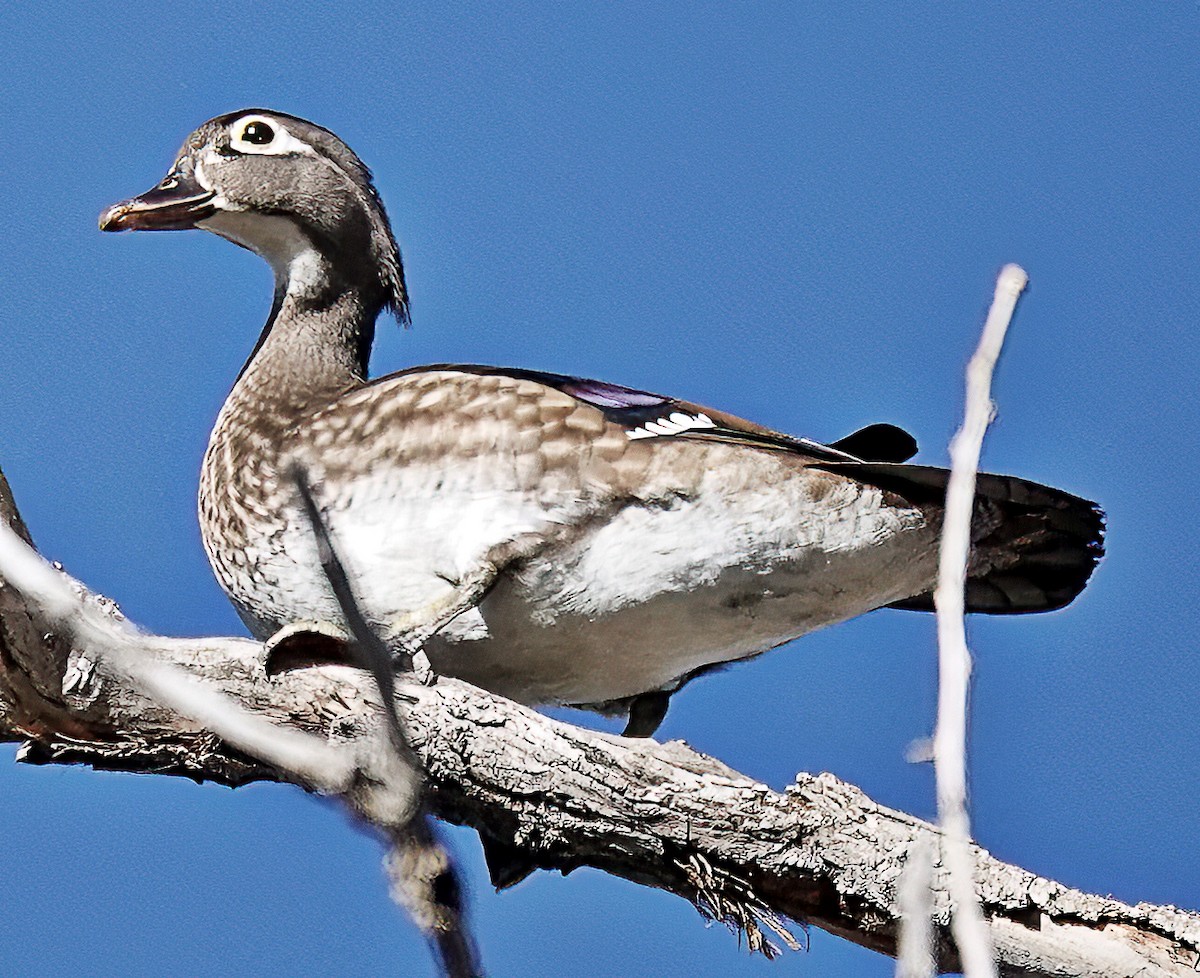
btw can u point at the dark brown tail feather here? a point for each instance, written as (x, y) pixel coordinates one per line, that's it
(1034, 547)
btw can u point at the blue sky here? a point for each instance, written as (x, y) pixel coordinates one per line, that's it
(790, 211)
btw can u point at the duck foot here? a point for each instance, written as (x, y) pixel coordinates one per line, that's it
(304, 644)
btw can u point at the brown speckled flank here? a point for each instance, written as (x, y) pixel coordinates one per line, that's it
(555, 539)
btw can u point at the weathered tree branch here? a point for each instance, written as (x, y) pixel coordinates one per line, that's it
(658, 814)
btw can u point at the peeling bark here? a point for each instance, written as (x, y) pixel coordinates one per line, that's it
(661, 815)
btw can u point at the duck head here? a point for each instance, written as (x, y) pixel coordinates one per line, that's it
(287, 190)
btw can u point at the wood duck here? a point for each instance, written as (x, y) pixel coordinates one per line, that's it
(554, 539)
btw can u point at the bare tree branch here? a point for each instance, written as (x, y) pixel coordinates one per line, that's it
(661, 815)
(954, 658)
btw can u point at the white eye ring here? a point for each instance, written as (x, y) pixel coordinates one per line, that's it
(283, 143)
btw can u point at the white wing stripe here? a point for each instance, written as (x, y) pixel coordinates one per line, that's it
(676, 423)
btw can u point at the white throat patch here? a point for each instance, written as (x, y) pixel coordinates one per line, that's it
(289, 251)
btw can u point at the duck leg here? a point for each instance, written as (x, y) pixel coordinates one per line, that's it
(309, 643)
(413, 629)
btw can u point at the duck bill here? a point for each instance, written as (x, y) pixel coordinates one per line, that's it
(176, 204)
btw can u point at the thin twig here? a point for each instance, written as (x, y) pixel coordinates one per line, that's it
(426, 883)
(914, 948)
(954, 658)
(388, 794)
(118, 644)
(367, 647)
(424, 879)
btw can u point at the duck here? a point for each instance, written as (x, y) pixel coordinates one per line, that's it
(554, 539)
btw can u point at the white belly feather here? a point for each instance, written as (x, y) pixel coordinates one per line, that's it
(609, 607)
(660, 591)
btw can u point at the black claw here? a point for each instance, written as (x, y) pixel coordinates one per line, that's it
(646, 714)
(507, 865)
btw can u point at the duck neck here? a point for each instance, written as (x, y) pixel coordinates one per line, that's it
(327, 295)
(317, 340)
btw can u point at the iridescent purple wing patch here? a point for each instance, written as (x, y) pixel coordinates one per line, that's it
(611, 396)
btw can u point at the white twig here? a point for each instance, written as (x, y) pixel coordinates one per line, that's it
(954, 659)
(309, 758)
(914, 947)
(325, 767)
(388, 793)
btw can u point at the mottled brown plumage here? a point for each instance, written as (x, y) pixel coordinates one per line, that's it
(555, 539)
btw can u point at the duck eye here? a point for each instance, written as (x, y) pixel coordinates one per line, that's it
(257, 133)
